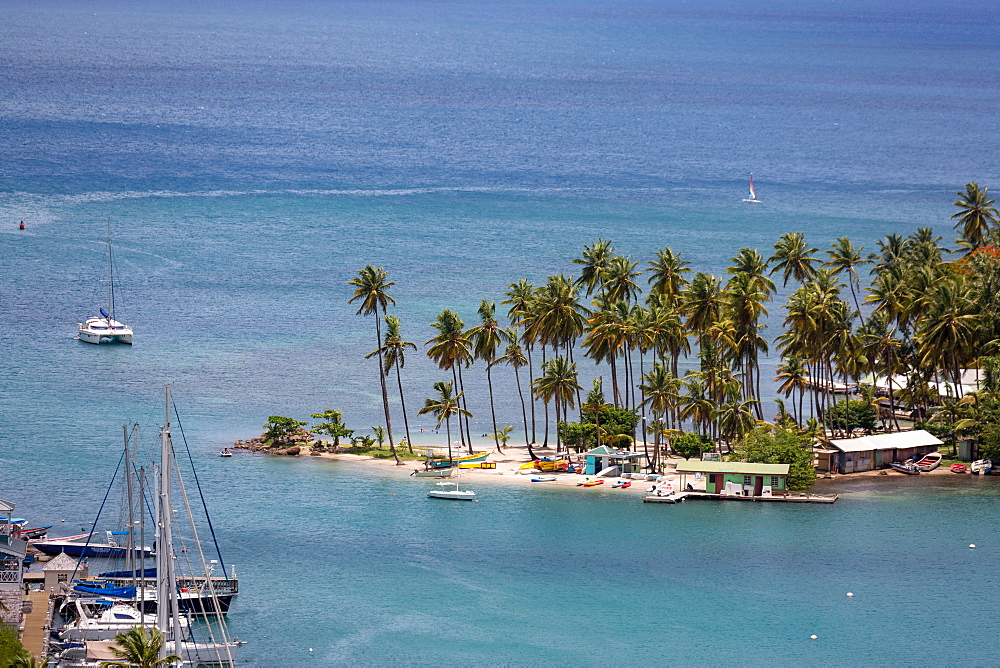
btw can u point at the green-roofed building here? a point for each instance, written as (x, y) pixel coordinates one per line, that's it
(739, 478)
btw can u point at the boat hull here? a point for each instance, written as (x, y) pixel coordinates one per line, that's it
(902, 468)
(458, 461)
(84, 550)
(435, 473)
(452, 495)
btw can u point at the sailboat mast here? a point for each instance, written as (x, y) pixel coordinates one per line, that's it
(111, 276)
(167, 614)
(129, 502)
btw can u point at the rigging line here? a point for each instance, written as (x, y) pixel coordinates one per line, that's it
(94, 523)
(201, 494)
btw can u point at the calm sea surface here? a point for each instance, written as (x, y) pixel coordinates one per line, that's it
(253, 156)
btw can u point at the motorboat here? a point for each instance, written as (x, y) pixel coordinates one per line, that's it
(455, 494)
(435, 473)
(981, 467)
(907, 467)
(100, 619)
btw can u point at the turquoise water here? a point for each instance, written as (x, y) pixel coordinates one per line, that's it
(253, 157)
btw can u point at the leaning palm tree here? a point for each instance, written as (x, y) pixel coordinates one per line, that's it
(371, 287)
(845, 257)
(486, 339)
(394, 352)
(139, 648)
(976, 214)
(443, 407)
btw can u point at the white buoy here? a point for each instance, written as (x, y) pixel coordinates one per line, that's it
(850, 595)
(972, 546)
(310, 649)
(813, 637)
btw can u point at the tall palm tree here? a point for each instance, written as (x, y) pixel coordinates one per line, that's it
(451, 349)
(558, 382)
(619, 279)
(947, 334)
(793, 376)
(521, 297)
(976, 214)
(443, 406)
(139, 647)
(514, 357)
(486, 338)
(662, 392)
(371, 287)
(792, 258)
(393, 353)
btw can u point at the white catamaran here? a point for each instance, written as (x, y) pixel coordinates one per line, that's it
(105, 329)
(753, 193)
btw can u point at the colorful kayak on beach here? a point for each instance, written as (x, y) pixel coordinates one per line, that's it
(458, 461)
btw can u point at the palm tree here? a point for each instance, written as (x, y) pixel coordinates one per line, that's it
(793, 259)
(379, 432)
(666, 276)
(139, 648)
(793, 375)
(845, 257)
(558, 382)
(619, 279)
(394, 352)
(514, 357)
(451, 349)
(595, 260)
(371, 287)
(443, 407)
(485, 339)
(662, 392)
(976, 214)
(521, 296)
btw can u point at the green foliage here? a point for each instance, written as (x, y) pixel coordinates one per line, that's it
(363, 441)
(333, 426)
(139, 648)
(851, 415)
(689, 444)
(616, 426)
(380, 434)
(279, 429)
(770, 444)
(989, 442)
(10, 647)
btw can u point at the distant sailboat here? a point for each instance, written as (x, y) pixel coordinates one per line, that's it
(753, 193)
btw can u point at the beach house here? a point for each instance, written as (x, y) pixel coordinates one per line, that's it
(603, 457)
(736, 478)
(877, 451)
(12, 552)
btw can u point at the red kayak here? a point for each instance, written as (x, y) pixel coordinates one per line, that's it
(959, 468)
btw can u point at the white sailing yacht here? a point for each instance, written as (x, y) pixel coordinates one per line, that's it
(753, 194)
(105, 329)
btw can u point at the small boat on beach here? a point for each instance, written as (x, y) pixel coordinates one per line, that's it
(543, 478)
(907, 467)
(591, 483)
(453, 494)
(622, 484)
(958, 468)
(434, 473)
(930, 462)
(445, 463)
(981, 467)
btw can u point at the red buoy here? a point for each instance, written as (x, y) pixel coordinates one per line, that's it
(22, 225)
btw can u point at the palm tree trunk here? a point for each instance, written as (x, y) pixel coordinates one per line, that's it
(524, 414)
(493, 410)
(461, 431)
(385, 393)
(531, 383)
(402, 402)
(545, 443)
(465, 405)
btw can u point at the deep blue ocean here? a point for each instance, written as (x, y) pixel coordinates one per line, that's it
(252, 156)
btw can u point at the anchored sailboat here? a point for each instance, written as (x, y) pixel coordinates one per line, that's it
(106, 329)
(753, 193)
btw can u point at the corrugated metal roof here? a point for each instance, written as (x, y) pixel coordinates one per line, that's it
(904, 439)
(739, 468)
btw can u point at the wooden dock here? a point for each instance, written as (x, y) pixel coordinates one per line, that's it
(678, 497)
(36, 623)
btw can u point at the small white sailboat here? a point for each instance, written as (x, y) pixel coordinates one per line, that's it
(753, 193)
(455, 494)
(105, 329)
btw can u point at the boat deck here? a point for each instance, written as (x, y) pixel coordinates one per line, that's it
(678, 497)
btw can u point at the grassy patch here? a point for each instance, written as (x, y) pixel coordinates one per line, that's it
(382, 453)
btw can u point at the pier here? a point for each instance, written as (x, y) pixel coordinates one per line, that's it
(677, 497)
(36, 623)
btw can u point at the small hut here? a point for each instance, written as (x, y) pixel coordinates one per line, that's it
(603, 457)
(60, 570)
(737, 478)
(879, 450)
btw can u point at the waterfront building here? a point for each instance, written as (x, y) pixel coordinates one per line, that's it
(12, 553)
(879, 450)
(604, 456)
(736, 478)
